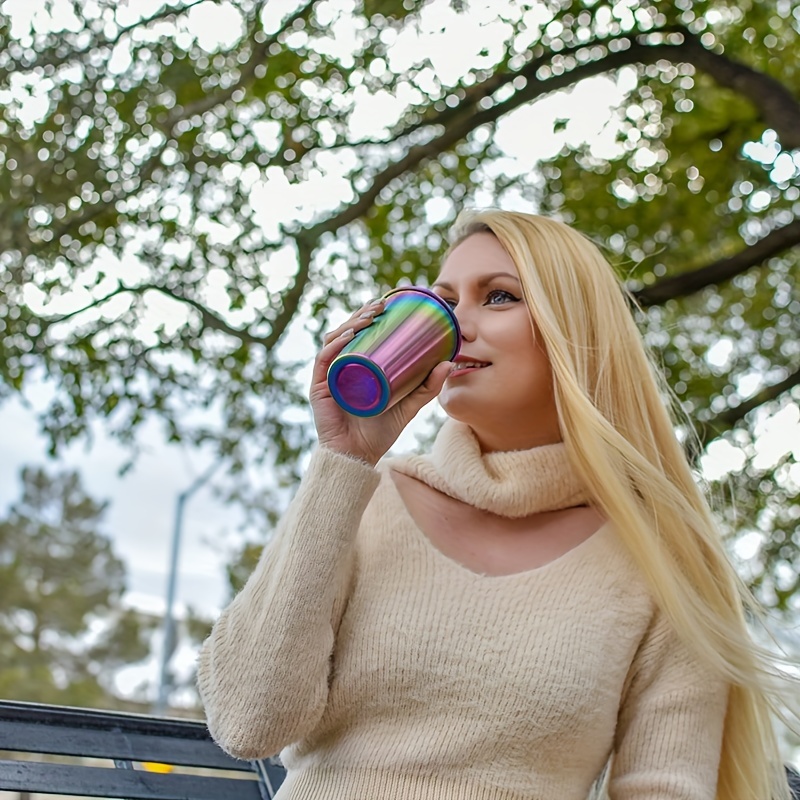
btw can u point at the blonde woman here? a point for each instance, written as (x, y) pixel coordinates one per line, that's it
(541, 599)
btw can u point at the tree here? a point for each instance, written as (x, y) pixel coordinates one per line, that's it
(63, 628)
(700, 207)
(143, 165)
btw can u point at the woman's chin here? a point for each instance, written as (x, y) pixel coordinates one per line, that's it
(459, 404)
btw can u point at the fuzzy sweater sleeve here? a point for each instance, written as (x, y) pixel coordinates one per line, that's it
(669, 735)
(263, 672)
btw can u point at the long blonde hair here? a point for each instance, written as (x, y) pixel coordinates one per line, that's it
(621, 440)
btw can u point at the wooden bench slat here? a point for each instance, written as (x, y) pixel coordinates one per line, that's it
(67, 779)
(37, 737)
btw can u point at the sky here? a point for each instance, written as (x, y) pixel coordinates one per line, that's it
(142, 502)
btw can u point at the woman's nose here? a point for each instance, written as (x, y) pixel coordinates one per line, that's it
(465, 323)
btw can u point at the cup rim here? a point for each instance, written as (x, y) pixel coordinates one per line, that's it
(350, 359)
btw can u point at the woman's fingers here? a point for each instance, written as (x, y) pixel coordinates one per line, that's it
(411, 405)
(359, 318)
(334, 341)
(334, 345)
(350, 434)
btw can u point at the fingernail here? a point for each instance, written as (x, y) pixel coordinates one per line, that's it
(347, 334)
(367, 315)
(376, 303)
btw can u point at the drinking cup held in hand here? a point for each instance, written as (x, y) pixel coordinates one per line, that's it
(386, 361)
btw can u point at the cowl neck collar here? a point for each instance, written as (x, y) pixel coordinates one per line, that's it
(514, 483)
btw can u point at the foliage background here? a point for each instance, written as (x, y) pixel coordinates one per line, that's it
(176, 207)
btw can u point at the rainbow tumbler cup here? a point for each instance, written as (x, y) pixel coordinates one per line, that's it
(395, 354)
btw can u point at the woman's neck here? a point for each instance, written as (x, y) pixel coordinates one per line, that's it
(500, 436)
(492, 442)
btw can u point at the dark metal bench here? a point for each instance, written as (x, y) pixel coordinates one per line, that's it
(128, 740)
(794, 782)
(75, 742)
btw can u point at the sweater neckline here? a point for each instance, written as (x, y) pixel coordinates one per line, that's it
(516, 483)
(453, 565)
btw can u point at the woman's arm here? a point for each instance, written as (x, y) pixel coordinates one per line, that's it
(669, 734)
(263, 671)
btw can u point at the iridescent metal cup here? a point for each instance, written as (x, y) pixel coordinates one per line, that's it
(395, 354)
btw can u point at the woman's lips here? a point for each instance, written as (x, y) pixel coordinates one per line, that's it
(464, 370)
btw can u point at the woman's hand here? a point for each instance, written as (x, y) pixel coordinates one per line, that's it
(366, 438)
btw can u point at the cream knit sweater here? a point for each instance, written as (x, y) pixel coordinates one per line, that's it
(383, 670)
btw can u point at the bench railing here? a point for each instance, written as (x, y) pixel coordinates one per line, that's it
(197, 768)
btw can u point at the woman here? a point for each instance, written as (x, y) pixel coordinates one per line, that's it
(542, 596)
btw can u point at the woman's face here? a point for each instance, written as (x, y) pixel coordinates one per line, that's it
(509, 402)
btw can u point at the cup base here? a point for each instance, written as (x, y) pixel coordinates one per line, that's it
(358, 385)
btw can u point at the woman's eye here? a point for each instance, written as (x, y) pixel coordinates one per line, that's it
(501, 295)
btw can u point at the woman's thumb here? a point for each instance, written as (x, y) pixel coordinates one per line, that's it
(429, 389)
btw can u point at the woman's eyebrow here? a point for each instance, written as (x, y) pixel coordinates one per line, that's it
(483, 281)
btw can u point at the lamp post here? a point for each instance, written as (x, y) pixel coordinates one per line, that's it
(164, 687)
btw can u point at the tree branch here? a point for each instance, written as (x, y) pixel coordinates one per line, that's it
(471, 100)
(290, 300)
(164, 13)
(257, 56)
(733, 415)
(108, 41)
(779, 108)
(88, 307)
(209, 319)
(89, 212)
(724, 269)
(478, 91)
(472, 116)
(727, 419)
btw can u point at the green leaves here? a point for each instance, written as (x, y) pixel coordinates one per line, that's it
(63, 628)
(178, 214)
(685, 192)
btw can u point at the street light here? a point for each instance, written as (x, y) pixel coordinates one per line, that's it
(160, 706)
